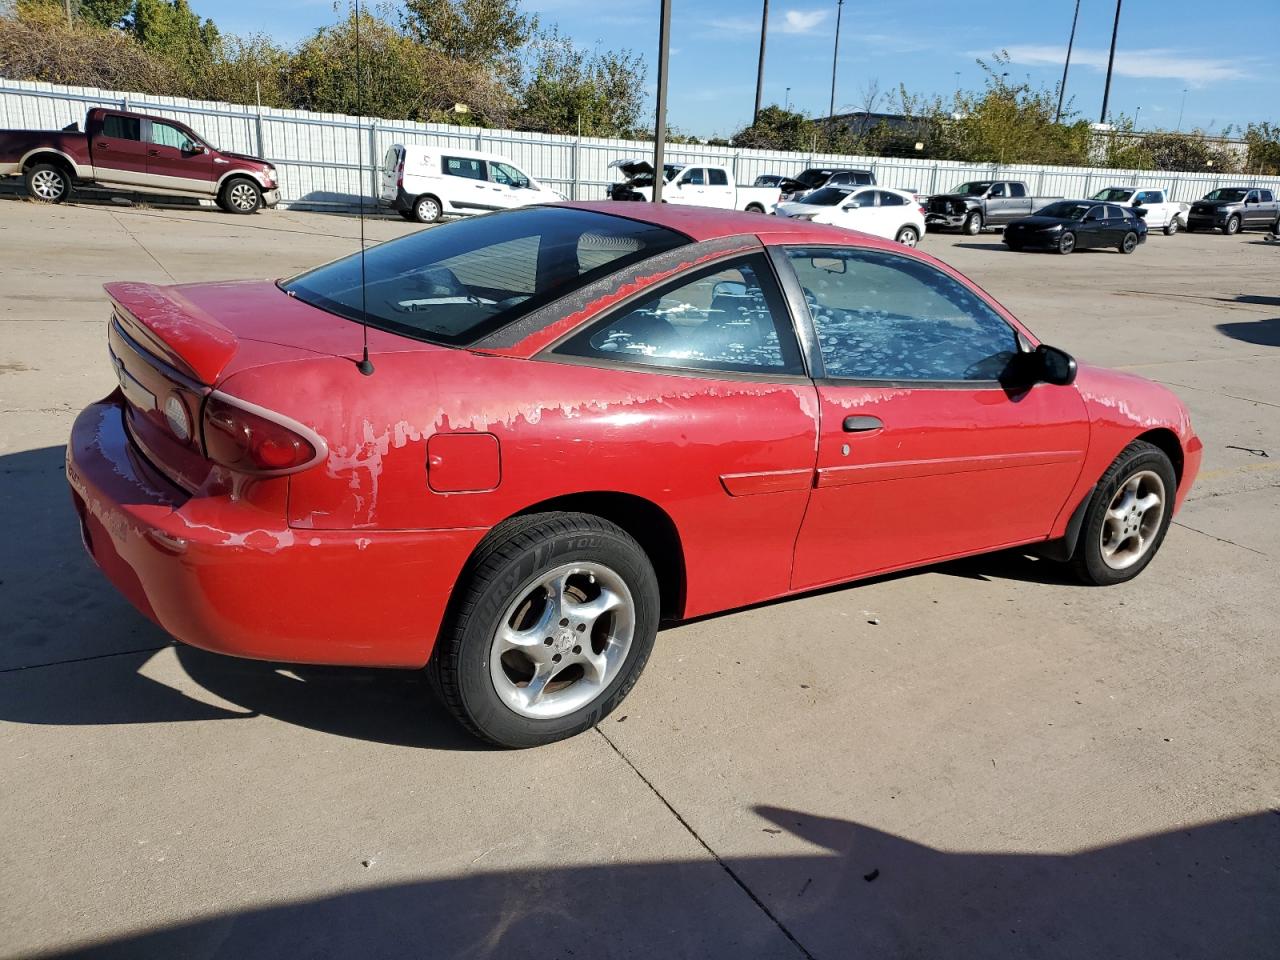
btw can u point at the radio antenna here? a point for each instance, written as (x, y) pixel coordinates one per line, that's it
(365, 366)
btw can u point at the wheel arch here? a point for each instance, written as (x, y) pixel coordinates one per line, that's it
(240, 172)
(51, 156)
(650, 525)
(1167, 441)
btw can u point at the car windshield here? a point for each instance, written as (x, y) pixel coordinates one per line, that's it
(455, 283)
(974, 188)
(1230, 196)
(1114, 195)
(826, 197)
(1066, 210)
(814, 178)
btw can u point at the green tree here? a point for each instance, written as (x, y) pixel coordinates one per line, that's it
(1264, 148)
(174, 33)
(488, 32)
(777, 129)
(103, 13)
(564, 86)
(1188, 151)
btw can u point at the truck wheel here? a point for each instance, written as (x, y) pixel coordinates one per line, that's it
(426, 209)
(1232, 227)
(1066, 243)
(1172, 227)
(240, 195)
(1129, 243)
(754, 208)
(48, 183)
(908, 236)
(973, 224)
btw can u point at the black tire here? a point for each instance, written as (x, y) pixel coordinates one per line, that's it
(48, 183)
(1233, 226)
(1088, 561)
(1172, 227)
(754, 208)
(1066, 243)
(507, 563)
(240, 195)
(908, 236)
(1129, 243)
(426, 209)
(972, 224)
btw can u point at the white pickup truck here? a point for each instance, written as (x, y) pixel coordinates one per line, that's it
(1161, 213)
(701, 185)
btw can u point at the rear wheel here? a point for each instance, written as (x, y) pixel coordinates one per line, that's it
(1066, 243)
(1172, 227)
(754, 208)
(48, 183)
(1232, 227)
(973, 224)
(426, 209)
(240, 195)
(552, 624)
(908, 236)
(1129, 243)
(1127, 517)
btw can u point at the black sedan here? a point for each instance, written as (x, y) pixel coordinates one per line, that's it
(1075, 225)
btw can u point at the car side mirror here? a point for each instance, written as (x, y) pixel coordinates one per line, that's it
(196, 148)
(1053, 366)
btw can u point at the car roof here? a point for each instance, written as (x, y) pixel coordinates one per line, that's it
(707, 223)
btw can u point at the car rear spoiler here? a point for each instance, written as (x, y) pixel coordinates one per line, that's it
(173, 329)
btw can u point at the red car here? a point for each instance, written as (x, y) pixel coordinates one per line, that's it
(579, 420)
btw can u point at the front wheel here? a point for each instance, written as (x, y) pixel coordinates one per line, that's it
(973, 224)
(241, 195)
(552, 624)
(1172, 227)
(1129, 243)
(48, 183)
(1127, 517)
(908, 236)
(1066, 243)
(1232, 227)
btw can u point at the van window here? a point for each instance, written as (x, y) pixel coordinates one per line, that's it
(121, 128)
(463, 167)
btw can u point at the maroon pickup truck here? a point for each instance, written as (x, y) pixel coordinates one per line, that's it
(139, 153)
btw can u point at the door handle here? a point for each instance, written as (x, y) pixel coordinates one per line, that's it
(153, 153)
(856, 424)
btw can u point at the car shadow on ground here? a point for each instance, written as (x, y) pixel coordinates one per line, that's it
(1264, 333)
(58, 611)
(850, 890)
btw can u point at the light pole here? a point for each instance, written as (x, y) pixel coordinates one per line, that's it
(788, 106)
(1062, 91)
(764, 32)
(1136, 114)
(660, 122)
(835, 56)
(1181, 108)
(1111, 60)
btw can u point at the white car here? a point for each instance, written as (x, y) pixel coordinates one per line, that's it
(880, 211)
(426, 183)
(1161, 213)
(701, 185)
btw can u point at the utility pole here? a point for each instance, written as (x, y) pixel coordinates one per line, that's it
(1062, 91)
(764, 32)
(660, 124)
(834, 59)
(1106, 91)
(1182, 107)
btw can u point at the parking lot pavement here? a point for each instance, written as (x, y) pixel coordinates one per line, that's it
(982, 759)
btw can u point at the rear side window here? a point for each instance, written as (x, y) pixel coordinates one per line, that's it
(457, 282)
(1267, 196)
(890, 199)
(717, 178)
(115, 127)
(725, 318)
(1017, 190)
(464, 167)
(861, 178)
(1115, 213)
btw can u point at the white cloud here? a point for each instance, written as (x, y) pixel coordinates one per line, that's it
(802, 21)
(734, 25)
(1150, 64)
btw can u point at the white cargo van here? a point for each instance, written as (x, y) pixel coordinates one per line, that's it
(426, 183)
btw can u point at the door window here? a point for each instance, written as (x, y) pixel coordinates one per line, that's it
(463, 167)
(167, 135)
(890, 199)
(1017, 190)
(717, 178)
(866, 198)
(506, 174)
(1252, 197)
(879, 317)
(695, 177)
(1115, 213)
(727, 318)
(115, 127)
(997, 190)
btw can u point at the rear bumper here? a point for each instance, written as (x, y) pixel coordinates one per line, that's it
(228, 577)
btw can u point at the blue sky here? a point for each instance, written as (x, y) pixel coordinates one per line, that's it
(1224, 57)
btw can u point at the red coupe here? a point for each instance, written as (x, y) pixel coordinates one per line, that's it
(577, 421)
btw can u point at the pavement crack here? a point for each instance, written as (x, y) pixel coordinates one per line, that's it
(95, 656)
(135, 239)
(732, 874)
(1265, 556)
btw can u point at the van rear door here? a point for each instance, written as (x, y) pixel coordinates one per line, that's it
(392, 173)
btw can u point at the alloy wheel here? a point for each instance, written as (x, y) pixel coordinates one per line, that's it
(242, 196)
(907, 236)
(428, 210)
(1132, 520)
(48, 185)
(563, 640)
(1130, 243)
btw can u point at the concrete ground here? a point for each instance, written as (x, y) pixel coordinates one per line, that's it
(979, 760)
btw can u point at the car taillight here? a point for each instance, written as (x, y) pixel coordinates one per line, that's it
(251, 439)
(923, 211)
(400, 173)
(177, 415)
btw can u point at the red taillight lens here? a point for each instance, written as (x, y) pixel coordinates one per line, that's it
(243, 440)
(923, 211)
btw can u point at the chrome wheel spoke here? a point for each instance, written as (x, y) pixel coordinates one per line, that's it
(593, 610)
(537, 685)
(1132, 520)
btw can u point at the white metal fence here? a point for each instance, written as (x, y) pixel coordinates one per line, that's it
(326, 160)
